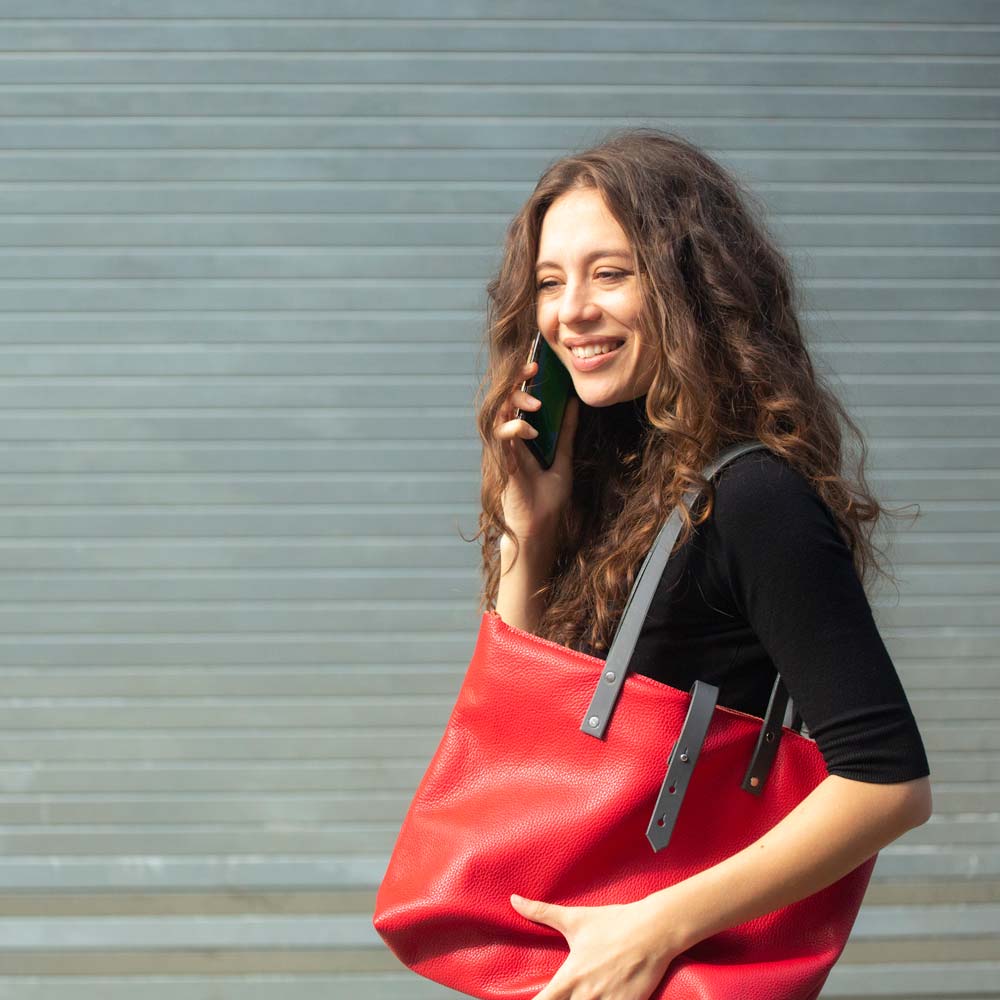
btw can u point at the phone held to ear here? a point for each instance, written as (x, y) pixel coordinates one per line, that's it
(553, 385)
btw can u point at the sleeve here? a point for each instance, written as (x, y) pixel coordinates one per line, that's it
(792, 576)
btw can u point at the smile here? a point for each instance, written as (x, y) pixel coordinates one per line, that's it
(587, 360)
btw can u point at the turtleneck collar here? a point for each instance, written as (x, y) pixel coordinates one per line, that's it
(630, 414)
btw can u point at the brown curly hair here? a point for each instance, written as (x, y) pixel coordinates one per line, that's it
(716, 304)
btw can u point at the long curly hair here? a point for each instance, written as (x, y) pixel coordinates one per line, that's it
(717, 305)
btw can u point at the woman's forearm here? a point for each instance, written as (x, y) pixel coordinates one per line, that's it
(840, 824)
(515, 602)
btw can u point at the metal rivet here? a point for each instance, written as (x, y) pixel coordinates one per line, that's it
(684, 757)
(610, 675)
(755, 782)
(769, 736)
(593, 720)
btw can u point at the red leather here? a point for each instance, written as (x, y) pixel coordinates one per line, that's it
(517, 799)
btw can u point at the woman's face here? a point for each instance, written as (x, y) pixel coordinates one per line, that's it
(587, 293)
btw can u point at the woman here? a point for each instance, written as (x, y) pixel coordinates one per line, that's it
(644, 247)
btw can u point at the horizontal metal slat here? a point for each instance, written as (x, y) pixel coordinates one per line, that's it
(325, 34)
(518, 164)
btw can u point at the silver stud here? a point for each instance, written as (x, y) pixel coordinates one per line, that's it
(610, 675)
(593, 720)
(684, 757)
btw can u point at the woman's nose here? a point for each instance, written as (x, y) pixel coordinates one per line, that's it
(575, 304)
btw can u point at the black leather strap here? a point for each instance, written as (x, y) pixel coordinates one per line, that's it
(681, 763)
(767, 740)
(609, 687)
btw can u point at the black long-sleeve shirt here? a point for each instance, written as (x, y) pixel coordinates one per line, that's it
(768, 584)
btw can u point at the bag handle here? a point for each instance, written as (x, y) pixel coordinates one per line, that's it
(703, 695)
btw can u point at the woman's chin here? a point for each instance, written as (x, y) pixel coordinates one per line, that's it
(593, 394)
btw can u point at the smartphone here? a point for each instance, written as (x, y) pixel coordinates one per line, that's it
(553, 385)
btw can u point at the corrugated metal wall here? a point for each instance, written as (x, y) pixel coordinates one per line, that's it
(244, 252)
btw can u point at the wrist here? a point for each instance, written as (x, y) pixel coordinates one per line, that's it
(541, 532)
(664, 909)
(538, 550)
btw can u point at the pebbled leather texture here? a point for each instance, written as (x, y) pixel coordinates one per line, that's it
(517, 799)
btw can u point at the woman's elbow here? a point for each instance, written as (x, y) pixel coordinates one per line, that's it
(918, 803)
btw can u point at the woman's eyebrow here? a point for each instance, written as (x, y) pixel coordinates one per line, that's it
(590, 256)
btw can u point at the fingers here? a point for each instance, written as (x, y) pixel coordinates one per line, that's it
(525, 400)
(515, 429)
(506, 427)
(521, 397)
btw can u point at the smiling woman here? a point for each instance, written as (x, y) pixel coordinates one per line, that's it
(758, 595)
(646, 242)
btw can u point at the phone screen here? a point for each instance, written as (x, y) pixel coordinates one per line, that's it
(553, 385)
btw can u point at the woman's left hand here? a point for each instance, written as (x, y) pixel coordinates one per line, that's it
(617, 952)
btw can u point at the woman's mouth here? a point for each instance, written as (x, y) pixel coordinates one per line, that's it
(582, 363)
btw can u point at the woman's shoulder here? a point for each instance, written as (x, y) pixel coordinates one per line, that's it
(759, 472)
(762, 492)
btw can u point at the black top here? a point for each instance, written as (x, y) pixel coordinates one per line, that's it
(768, 584)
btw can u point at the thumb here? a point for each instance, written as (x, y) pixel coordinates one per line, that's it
(539, 911)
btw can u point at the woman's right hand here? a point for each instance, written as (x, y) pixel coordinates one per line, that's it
(534, 496)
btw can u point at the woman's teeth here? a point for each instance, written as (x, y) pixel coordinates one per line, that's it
(592, 349)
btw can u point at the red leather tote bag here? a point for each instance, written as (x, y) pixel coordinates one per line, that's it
(549, 781)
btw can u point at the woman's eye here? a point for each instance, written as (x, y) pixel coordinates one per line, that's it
(600, 274)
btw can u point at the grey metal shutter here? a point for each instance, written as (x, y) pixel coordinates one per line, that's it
(244, 248)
